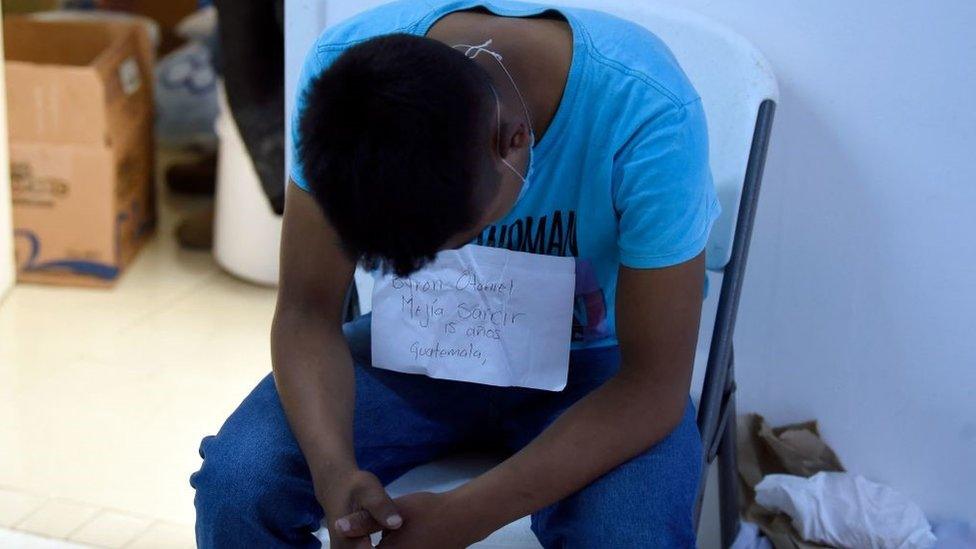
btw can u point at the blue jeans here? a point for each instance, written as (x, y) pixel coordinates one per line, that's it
(254, 487)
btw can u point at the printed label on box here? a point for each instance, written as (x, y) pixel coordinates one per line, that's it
(129, 76)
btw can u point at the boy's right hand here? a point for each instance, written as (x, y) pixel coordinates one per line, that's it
(354, 491)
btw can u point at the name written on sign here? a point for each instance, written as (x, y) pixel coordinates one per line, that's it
(463, 306)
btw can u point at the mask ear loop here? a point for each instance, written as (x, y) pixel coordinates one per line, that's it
(478, 49)
(471, 52)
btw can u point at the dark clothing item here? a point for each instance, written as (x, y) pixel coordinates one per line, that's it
(251, 57)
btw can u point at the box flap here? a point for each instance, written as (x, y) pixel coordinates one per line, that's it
(76, 81)
(75, 43)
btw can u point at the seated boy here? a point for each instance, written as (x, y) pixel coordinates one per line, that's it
(426, 126)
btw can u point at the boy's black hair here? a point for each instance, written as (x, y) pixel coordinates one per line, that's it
(393, 144)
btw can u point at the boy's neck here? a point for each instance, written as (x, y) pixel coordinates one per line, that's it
(537, 52)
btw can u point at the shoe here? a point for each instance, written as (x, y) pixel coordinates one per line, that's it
(195, 232)
(199, 177)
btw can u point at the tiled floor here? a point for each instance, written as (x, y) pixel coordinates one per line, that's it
(105, 394)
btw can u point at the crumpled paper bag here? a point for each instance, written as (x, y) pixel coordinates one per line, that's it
(795, 449)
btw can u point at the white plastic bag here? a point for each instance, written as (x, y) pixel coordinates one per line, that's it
(847, 511)
(186, 86)
(199, 26)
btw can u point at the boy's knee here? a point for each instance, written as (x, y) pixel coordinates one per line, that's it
(231, 481)
(598, 519)
(647, 501)
(594, 521)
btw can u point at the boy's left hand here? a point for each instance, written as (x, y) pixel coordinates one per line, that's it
(429, 520)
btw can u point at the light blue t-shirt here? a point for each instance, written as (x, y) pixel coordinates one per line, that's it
(621, 176)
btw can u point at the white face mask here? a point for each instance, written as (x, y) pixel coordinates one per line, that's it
(472, 52)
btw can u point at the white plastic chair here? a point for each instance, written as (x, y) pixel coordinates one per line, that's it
(739, 93)
(247, 232)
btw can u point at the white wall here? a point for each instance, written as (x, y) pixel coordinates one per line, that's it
(6, 228)
(304, 20)
(857, 308)
(862, 278)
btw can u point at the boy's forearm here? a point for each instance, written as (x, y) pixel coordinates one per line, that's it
(315, 379)
(612, 424)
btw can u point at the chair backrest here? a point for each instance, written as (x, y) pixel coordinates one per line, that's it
(733, 79)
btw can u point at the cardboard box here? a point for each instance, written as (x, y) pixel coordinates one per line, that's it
(28, 6)
(80, 110)
(7, 272)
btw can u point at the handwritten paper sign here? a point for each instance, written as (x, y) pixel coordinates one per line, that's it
(478, 314)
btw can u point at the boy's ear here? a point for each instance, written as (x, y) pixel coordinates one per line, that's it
(521, 137)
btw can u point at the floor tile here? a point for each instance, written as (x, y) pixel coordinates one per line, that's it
(11, 539)
(57, 518)
(111, 529)
(15, 506)
(164, 535)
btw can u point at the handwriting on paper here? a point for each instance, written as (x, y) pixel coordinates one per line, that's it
(478, 314)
